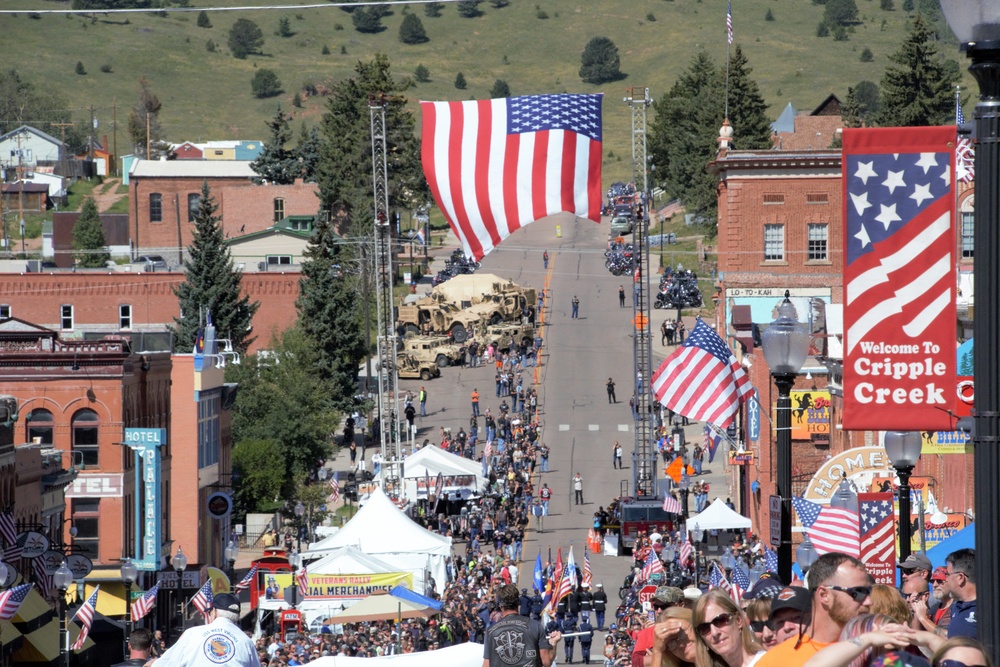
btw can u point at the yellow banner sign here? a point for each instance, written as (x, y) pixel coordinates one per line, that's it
(344, 586)
(946, 442)
(811, 416)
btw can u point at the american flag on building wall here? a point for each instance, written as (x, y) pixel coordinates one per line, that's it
(85, 615)
(494, 166)
(8, 529)
(42, 578)
(829, 528)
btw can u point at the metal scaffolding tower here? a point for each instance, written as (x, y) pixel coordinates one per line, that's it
(643, 453)
(388, 398)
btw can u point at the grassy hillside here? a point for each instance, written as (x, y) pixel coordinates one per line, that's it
(207, 95)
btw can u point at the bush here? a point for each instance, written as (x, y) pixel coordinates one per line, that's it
(822, 30)
(769, 16)
(297, 101)
(500, 89)
(411, 30)
(651, 17)
(367, 20)
(245, 37)
(106, 68)
(422, 74)
(80, 69)
(203, 20)
(600, 62)
(460, 81)
(284, 27)
(265, 83)
(210, 46)
(907, 5)
(839, 33)
(469, 9)
(326, 50)
(888, 5)
(433, 9)
(866, 55)
(541, 14)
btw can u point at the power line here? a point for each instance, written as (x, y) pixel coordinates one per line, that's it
(243, 8)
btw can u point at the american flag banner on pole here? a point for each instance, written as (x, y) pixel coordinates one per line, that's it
(302, 579)
(8, 529)
(899, 278)
(145, 602)
(687, 551)
(11, 599)
(247, 580)
(702, 380)
(671, 504)
(770, 560)
(717, 579)
(965, 156)
(588, 576)
(44, 580)
(652, 565)
(86, 617)
(494, 166)
(334, 488)
(829, 528)
(565, 586)
(741, 583)
(203, 599)
(878, 536)
(571, 569)
(729, 22)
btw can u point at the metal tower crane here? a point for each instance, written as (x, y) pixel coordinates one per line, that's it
(643, 454)
(388, 379)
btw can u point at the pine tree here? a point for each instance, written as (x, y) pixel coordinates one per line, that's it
(276, 163)
(600, 62)
(460, 81)
(285, 27)
(422, 74)
(88, 238)
(500, 89)
(245, 37)
(411, 30)
(747, 108)
(469, 9)
(433, 9)
(367, 20)
(203, 20)
(307, 152)
(917, 87)
(145, 116)
(211, 284)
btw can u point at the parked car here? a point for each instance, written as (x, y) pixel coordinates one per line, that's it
(150, 262)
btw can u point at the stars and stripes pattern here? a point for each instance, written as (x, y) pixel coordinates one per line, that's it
(687, 551)
(334, 488)
(829, 528)
(11, 599)
(741, 583)
(302, 580)
(588, 575)
(965, 156)
(488, 450)
(8, 529)
(770, 560)
(672, 505)
(565, 585)
(145, 602)
(247, 580)
(717, 579)
(729, 22)
(651, 566)
(494, 166)
(203, 599)
(42, 578)
(878, 529)
(85, 615)
(702, 380)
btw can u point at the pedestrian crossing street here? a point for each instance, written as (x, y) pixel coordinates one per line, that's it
(623, 428)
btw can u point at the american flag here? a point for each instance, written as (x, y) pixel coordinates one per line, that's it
(729, 22)
(671, 504)
(771, 560)
(11, 599)
(44, 580)
(702, 380)
(565, 586)
(686, 552)
(651, 566)
(899, 274)
(334, 488)
(494, 166)
(829, 528)
(878, 530)
(203, 599)
(588, 576)
(144, 603)
(247, 580)
(741, 583)
(86, 617)
(488, 450)
(8, 529)
(965, 156)
(717, 579)
(302, 579)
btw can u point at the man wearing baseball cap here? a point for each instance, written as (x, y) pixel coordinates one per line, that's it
(219, 642)
(915, 574)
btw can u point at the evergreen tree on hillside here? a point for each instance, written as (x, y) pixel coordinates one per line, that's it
(469, 9)
(747, 108)
(307, 152)
(500, 89)
(840, 12)
(433, 9)
(861, 104)
(211, 284)
(917, 88)
(88, 238)
(203, 20)
(411, 30)
(276, 163)
(367, 20)
(600, 62)
(245, 37)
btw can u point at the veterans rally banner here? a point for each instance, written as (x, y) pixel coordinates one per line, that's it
(347, 586)
(899, 278)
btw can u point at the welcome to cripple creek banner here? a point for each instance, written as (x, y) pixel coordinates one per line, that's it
(899, 278)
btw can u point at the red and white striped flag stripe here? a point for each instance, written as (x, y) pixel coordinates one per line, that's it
(247, 579)
(145, 602)
(588, 576)
(86, 617)
(302, 579)
(671, 504)
(687, 551)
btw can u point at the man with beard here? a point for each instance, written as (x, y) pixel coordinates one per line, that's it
(935, 621)
(841, 589)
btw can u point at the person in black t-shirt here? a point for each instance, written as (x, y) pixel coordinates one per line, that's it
(516, 641)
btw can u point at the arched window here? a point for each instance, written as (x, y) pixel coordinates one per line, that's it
(40, 426)
(85, 438)
(967, 210)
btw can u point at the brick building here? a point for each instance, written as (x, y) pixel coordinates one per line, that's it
(91, 305)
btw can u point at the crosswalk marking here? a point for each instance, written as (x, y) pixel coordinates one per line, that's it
(563, 427)
(593, 427)
(623, 427)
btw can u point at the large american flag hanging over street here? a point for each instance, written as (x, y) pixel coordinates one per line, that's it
(702, 380)
(494, 166)
(899, 278)
(878, 536)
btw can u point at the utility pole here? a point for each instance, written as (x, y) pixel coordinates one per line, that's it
(93, 126)
(114, 134)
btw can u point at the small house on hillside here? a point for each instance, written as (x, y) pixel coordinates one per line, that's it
(28, 148)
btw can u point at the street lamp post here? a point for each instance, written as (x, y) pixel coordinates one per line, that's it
(62, 578)
(696, 534)
(669, 552)
(232, 551)
(786, 345)
(806, 555)
(180, 564)
(976, 24)
(903, 449)
(129, 574)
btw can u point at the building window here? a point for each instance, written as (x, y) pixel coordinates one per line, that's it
(125, 316)
(86, 514)
(40, 426)
(156, 207)
(208, 430)
(817, 242)
(279, 209)
(4, 311)
(66, 317)
(774, 198)
(85, 439)
(194, 203)
(774, 243)
(817, 198)
(279, 260)
(968, 211)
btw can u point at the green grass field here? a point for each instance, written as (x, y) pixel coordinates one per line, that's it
(207, 95)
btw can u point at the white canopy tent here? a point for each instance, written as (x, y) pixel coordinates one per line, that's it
(381, 530)
(461, 476)
(718, 516)
(462, 655)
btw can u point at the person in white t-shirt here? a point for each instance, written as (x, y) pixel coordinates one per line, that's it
(220, 642)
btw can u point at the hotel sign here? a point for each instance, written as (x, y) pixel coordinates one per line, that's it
(146, 443)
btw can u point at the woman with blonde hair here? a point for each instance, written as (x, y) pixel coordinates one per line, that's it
(887, 600)
(723, 636)
(758, 612)
(961, 651)
(870, 636)
(673, 639)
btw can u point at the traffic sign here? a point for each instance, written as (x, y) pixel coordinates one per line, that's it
(646, 594)
(774, 505)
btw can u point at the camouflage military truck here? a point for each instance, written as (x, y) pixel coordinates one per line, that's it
(493, 298)
(438, 349)
(429, 315)
(504, 335)
(412, 368)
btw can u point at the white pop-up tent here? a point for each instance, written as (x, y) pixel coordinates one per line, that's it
(381, 530)
(718, 516)
(462, 655)
(459, 475)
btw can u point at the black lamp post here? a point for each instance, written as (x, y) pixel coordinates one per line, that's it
(129, 574)
(62, 579)
(786, 345)
(696, 534)
(976, 24)
(903, 449)
(806, 555)
(232, 551)
(180, 564)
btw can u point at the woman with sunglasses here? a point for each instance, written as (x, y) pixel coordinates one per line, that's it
(723, 634)
(758, 611)
(869, 636)
(961, 652)
(673, 639)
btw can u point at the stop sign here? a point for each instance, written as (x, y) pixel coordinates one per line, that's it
(646, 594)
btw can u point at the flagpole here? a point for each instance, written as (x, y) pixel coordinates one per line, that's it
(729, 45)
